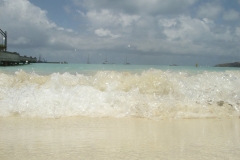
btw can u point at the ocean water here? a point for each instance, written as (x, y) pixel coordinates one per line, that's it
(143, 91)
(81, 111)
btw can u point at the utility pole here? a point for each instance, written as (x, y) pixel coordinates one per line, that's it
(4, 34)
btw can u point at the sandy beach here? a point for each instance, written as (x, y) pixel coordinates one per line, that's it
(123, 138)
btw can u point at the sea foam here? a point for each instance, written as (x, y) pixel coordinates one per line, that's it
(153, 94)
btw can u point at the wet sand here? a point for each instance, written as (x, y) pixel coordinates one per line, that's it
(124, 138)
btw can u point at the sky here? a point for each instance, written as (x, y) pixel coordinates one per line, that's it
(157, 32)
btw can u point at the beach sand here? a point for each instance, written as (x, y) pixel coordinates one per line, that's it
(119, 138)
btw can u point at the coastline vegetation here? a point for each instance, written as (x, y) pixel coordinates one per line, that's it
(235, 64)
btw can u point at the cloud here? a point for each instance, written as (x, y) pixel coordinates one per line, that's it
(178, 28)
(154, 27)
(20, 41)
(67, 9)
(231, 15)
(30, 28)
(209, 10)
(24, 11)
(138, 7)
(101, 32)
(81, 13)
(27, 25)
(107, 18)
(191, 35)
(185, 28)
(24, 23)
(238, 31)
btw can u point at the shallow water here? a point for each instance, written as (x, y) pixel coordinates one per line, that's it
(51, 111)
(162, 92)
(124, 138)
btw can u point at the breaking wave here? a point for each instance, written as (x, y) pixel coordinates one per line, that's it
(153, 94)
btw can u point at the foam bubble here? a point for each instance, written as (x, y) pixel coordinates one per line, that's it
(151, 94)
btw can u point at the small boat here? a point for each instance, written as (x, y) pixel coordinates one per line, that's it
(127, 63)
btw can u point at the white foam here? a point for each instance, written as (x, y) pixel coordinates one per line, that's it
(152, 94)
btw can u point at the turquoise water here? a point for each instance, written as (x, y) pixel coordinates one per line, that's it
(154, 92)
(44, 69)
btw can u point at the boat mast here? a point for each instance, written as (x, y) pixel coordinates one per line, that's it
(88, 62)
(126, 60)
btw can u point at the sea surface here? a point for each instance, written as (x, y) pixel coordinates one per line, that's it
(98, 90)
(90, 111)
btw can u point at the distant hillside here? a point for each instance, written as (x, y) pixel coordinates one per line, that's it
(235, 64)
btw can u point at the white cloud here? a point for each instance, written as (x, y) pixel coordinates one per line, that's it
(101, 32)
(151, 27)
(210, 10)
(103, 18)
(191, 35)
(60, 29)
(163, 6)
(187, 29)
(81, 13)
(139, 6)
(126, 20)
(231, 15)
(167, 22)
(27, 24)
(24, 11)
(69, 30)
(108, 18)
